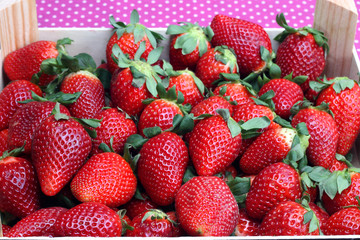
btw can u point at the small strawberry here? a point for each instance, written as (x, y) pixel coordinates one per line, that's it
(343, 222)
(89, 220)
(105, 178)
(11, 95)
(217, 60)
(210, 105)
(205, 206)
(152, 223)
(3, 141)
(128, 38)
(246, 38)
(38, 224)
(246, 226)
(301, 52)
(188, 44)
(136, 205)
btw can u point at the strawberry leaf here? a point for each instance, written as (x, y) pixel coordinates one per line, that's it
(140, 51)
(104, 76)
(152, 131)
(134, 17)
(233, 126)
(239, 187)
(274, 71)
(343, 83)
(139, 33)
(189, 174)
(136, 141)
(86, 62)
(154, 55)
(58, 114)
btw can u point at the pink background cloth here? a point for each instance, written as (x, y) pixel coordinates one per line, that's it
(161, 13)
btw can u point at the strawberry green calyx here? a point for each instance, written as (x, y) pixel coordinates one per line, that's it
(139, 30)
(239, 186)
(63, 98)
(307, 104)
(13, 153)
(298, 79)
(319, 37)
(266, 100)
(273, 68)
(60, 44)
(105, 148)
(227, 56)
(192, 36)
(310, 215)
(156, 214)
(125, 225)
(340, 84)
(234, 78)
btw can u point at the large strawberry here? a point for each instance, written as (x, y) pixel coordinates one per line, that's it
(89, 220)
(188, 44)
(26, 61)
(301, 52)
(246, 38)
(343, 97)
(343, 222)
(105, 178)
(11, 95)
(128, 38)
(205, 206)
(38, 224)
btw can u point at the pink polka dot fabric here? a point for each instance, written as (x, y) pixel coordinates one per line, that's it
(161, 13)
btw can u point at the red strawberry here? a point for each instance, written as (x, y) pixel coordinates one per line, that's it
(343, 97)
(152, 223)
(5, 230)
(137, 206)
(60, 147)
(11, 95)
(89, 220)
(301, 52)
(25, 62)
(229, 173)
(274, 184)
(217, 60)
(161, 167)
(237, 92)
(188, 44)
(176, 228)
(246, 38)
(246, 226)
(128, 38)
(26, 120)
(337, 166)
(105, 178)
(343, 222)
(114, 124)
(92, 98)
(209, 106)
(38, 224)
(19, 191)
(3, 141)
(287, 93)
(324, 135)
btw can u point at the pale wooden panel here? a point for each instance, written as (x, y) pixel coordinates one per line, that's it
(18, 27)
(337, 19)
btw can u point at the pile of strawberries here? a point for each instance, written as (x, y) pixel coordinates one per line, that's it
(227, 138)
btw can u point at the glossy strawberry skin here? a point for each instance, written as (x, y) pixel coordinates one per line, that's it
(159, 113)
(89, 220)
(3, 141)
(114, 124)
(337, 166)
(19, 191)
(324, 136)
(245, 38)
(161, 167)
(246, 226)
(209, 106)
(274, 184)
(180, 61)
(127, 45)
(287, 93)
(59, 149)
(186, 85)
(211, 146)
(26, 120)
(301, 55)
(346, 109)
(343, 222)
(345, 198)
(39, 223)
(11, 95)
(92, 98)
(5, 230)
(126, 96)
(136, 206)
(26, 61)
(105, 178)
(205, 206)
(237, 92)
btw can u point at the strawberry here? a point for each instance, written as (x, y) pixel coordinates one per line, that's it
(136, 205)
(105, 178)
(151, 223)
(26, 120)
(343, 222)
(176, 228)
(217, 60)
(161, 167)
(210, 105)
(24, 62)
(246, 226)
(89, 220)
(5, 230)
(128, 38)
(343, 97)
(40, 223)
(59, 148)
(115, 127)
(19, 191)
(246, 38)
(11, 95)
(301, 52)
(274, 184)
(188, 43)
(205, 206)
(287, 93)
(323, 131)
(3, 141)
